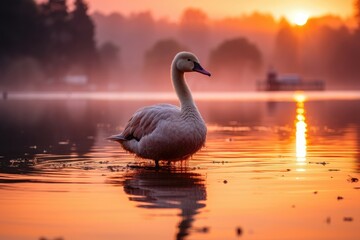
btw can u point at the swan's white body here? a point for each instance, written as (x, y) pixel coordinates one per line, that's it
(164, 131)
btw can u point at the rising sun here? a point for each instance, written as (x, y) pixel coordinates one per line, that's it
(299, 18)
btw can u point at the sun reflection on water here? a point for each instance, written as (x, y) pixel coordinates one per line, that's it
(301, 130)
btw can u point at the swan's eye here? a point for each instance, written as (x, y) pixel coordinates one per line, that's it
(189, 59)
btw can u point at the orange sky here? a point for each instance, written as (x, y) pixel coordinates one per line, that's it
(172, 9)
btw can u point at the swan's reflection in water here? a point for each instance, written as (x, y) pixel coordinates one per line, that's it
(171, 190)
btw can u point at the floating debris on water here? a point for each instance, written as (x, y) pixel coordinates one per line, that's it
(202, 229)
(113, 168)
(85, 168)
(340, 198)
(352, 179)
(320, 163)
(348, 219)
(225, 181)
(333, 170)
(328, 220)
(22, 162)
(239, 231)
(195, 168)
(57, 238)
(222, 162)
(315, 192)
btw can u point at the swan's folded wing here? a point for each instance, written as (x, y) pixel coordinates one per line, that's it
(145, 120)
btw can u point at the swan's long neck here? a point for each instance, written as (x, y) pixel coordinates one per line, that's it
(181, 88)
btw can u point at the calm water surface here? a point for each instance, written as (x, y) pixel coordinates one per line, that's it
(284, 169)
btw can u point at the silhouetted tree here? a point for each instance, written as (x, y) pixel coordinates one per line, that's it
(56, 17)
(71, 45)
(158, 60)
(331, 54)
(233, 61)
(21, 28)
(22, 34)
(46, 38)
(286, 48)
(341, 54)
(83, 47)
(236, 55)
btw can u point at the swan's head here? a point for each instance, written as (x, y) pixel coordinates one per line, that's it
(188, 62)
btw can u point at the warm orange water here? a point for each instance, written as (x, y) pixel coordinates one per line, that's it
(276, 170)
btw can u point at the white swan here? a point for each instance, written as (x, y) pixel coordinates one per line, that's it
(164, 131)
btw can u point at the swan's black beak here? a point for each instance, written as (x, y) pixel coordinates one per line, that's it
(200, 69)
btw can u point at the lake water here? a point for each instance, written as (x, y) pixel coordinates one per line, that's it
(275, 166)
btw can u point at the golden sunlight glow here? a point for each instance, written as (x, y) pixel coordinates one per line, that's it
(301, 129)
(299, 18)
(299, 97)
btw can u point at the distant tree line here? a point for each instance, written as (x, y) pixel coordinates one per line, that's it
(238, 51)
(233, 61)
(43, 43)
